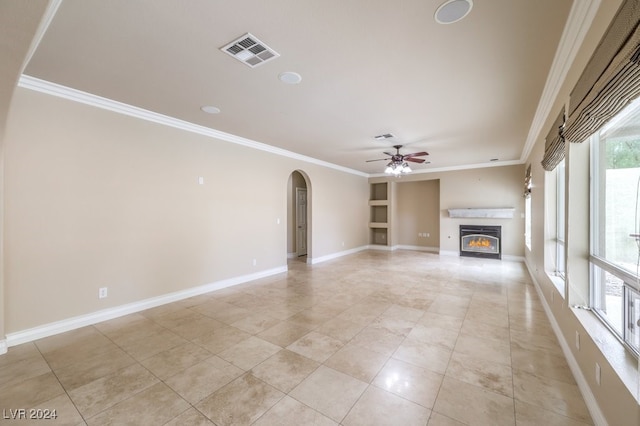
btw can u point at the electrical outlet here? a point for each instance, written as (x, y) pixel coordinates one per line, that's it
(598, 374)
(577, 340)
(102, 292)
(255, 262)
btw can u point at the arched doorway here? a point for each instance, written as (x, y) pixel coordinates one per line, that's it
(298, 216)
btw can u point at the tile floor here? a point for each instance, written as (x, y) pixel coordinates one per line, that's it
(375, 338)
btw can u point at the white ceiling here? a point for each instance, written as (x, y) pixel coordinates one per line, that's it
(465, 92)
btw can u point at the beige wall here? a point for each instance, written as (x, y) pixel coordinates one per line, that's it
(615, 398)
(418, 212)
(482, 187)
(19, 21)
(98, 199)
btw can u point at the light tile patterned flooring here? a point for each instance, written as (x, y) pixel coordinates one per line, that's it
(375, 338)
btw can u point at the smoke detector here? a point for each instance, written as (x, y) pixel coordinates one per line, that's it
(452, 11)
(249, 50)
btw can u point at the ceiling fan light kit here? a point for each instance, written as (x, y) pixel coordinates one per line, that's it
(397, 169)
(398, 165)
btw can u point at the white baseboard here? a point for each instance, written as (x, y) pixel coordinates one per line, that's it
(69, 324)
(512, 258)
(292, 255)
(417, 248)
(3, 346)
(379, 247)
(590, 400)
(449, 253)
(316, 260)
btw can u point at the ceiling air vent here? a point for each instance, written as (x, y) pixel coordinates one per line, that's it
(250, 51)
(384, 136)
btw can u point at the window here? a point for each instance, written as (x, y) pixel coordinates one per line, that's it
(560, 217)
(527, 222)
(527, 207)
(615, 221)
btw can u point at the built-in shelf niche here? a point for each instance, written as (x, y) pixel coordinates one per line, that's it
(379, 214)
(379, 236)
(379, 192)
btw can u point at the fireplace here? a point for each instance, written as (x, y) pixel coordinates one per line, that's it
(481, 241)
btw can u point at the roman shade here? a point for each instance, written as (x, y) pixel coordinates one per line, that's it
(527, 182)
(554, 144)
(610, 80)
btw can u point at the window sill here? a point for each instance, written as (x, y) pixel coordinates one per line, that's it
(621, 360)
(558, 283)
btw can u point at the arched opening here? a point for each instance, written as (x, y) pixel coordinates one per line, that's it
(298, 217)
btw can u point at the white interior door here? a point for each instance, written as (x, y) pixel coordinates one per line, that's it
(301, 221)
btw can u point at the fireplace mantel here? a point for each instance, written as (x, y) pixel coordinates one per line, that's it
(498, 213)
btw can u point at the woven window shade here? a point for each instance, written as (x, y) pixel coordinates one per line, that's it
(554, 144)
(527, 182)
(611, 79)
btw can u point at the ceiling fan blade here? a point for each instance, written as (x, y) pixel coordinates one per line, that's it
(416, 154)
(415, 160)
(390, 154)
(379, 159)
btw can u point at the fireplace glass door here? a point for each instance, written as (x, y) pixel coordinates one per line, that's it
(480, 241)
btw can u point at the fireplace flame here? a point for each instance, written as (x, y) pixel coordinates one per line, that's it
(480, 242)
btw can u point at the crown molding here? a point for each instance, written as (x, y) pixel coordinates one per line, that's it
(53, 89)
(578, 23)
(47, 17)
(456, 168)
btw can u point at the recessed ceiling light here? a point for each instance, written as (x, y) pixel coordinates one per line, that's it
(290, 77)
(210, 109)
(452, 11)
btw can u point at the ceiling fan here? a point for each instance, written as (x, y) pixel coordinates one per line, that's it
(398, 162)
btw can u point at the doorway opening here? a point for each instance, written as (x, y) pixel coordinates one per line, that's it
(298, 217)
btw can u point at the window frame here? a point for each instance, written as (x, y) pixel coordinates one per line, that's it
(527, 222)
(561, 205)
(631, 282)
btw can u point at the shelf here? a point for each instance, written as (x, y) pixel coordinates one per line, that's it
(495, 213)
(379, 191)
(379, 214)
(378, 225)
(379, 209)
(379, 237)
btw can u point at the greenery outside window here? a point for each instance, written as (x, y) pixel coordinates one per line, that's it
(615, 251)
